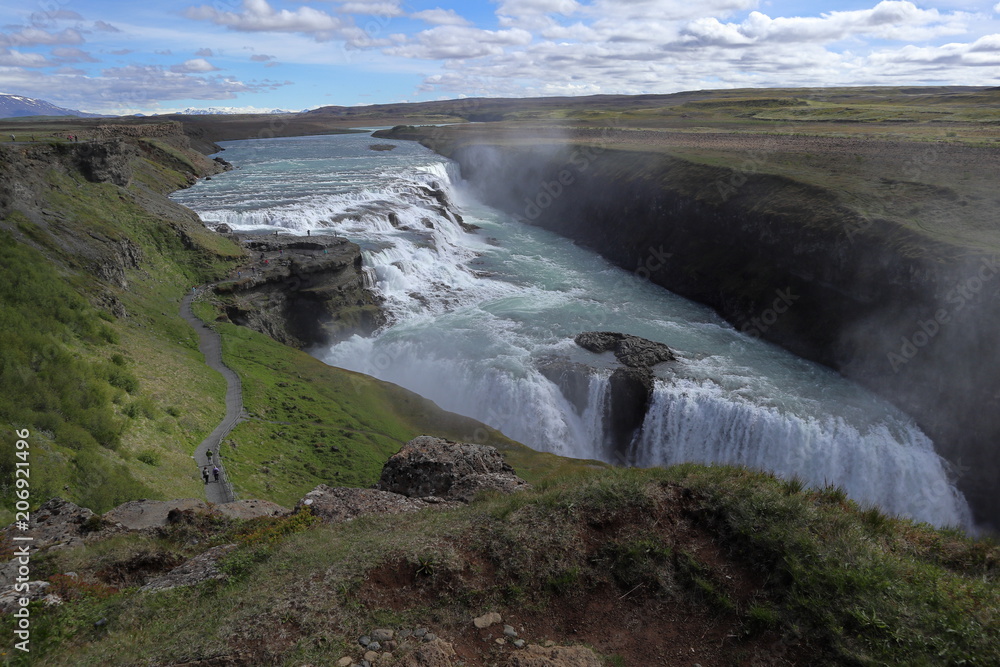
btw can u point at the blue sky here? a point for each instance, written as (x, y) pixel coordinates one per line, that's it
(117, 57)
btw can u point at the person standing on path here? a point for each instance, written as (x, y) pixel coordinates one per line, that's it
(208, 455)
(204, 474)
(215, 473)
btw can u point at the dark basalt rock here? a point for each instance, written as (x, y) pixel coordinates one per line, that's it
(630, 350)
(631, 386)
(428, 466)
(310, 292)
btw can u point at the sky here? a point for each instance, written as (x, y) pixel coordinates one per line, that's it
(108, 56)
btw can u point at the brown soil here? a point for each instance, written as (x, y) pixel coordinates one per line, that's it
(640, 626)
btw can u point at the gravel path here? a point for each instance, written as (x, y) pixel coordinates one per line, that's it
(210, 344)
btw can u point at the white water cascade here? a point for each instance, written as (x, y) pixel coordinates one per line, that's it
(479, 318)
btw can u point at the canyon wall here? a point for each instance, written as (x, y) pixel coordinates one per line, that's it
(909, 317)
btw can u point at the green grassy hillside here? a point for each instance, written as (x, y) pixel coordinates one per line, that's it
(96, 362)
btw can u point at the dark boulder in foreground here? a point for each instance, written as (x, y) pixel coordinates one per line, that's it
(428, 466)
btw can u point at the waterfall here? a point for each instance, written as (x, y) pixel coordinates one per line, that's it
(890, 464)
(476, 318)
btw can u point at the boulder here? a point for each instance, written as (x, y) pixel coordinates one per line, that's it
(10, 597)
(334, 505)
(631, 350)
(428, 466)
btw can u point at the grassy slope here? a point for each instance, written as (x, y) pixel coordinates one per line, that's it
(141, 378)
(313, 424)
(756, 564)
(116, 406)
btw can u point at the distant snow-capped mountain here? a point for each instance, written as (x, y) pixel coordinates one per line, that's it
(217, 111)
(14, 106)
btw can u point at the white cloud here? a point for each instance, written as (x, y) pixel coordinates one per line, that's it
(194, 66)
(259, 16)
(460, 43)
(12, 58)
(35, 36)
(670, 10)
(102, 26)
(890, 19)
(383, 8)
(73, 55)
(204, 53)
(438, 16)
(261, 58)
(996, 8)
(534, 14)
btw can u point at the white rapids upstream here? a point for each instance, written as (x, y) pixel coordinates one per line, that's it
(474, 314)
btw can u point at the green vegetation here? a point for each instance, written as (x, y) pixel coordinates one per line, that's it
(737, 554)
(312, 424)
(97, 363)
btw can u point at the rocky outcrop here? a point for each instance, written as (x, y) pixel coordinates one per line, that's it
(426, 472)
(630, 350)
(106, 161)
(201, 568)
(57, 524)
(302, 290)
(632, 386)
(335, 505)
(428, 466)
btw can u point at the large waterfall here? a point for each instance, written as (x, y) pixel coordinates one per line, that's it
(482, 307)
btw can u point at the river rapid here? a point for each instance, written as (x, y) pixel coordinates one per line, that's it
(476, 315)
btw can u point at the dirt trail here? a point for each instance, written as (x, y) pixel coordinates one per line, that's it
(210, 344)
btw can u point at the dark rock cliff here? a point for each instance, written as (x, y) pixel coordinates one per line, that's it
(302, 291)
(909, 317)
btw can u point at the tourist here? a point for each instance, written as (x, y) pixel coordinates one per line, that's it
(204, 474)
(215, 472)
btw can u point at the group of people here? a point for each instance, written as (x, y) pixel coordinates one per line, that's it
(215, 469)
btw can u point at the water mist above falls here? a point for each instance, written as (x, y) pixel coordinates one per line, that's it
(479, 317)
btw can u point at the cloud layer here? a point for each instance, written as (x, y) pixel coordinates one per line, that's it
(220, 50)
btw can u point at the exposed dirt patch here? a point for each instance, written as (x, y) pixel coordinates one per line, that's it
(683, 603)
(138, 569)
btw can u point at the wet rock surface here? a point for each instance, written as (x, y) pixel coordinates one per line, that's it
(631, 387)
(630, 350)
